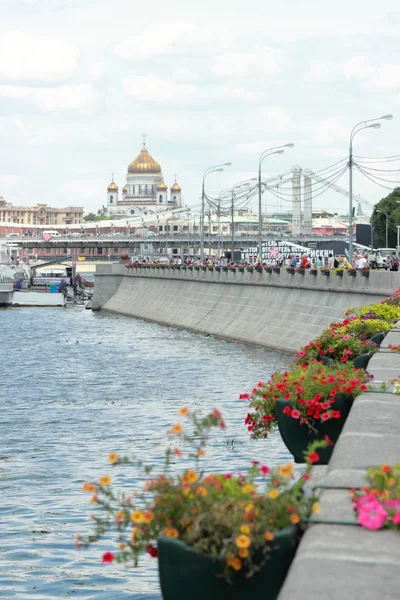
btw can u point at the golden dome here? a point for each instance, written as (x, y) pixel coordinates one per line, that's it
(162, 186)
(176, 188)
(112, 187)
(125, 189)
(144, 163)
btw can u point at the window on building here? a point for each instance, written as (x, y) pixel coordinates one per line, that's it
(115, 250)
(48, 250)
(111, 199)
(160, 198)
(175, 227)
(99, 250)
(133, 189)
(160, 228)
(215, 228)
(195, 227)
(174, 198)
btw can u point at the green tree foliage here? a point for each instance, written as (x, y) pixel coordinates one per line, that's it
(93, 217)
(392, 208)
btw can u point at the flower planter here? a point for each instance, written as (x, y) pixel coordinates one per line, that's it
(326, 273)
(361, 361)
(277, 270)
(187, 574)
(339, 273)
(259, 269)
(364, 273)
(313, 272)
(290, 270)
(241, 269)
(301, 271)
(378, 338)
(352, 273)
(297, 437)
(268, 270)
(225, 269)
(250, 269)
(204, 268)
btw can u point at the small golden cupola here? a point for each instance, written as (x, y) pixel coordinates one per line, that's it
(176, 188)
(144, 163)
(162, 186)
(112, 187)
(125, 189)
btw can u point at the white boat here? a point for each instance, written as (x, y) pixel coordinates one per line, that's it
(7, 275)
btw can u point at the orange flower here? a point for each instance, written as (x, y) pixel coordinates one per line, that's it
(119, 518)
(137, 516)
(201, 453)
(93, 500)
(105, 480)
(245, 529)
(269, 536)
(148, 517)
(190, 477)
(285, 471)
(171, 532)
(122, 547)
(246, 489)
(113, 457)
(235, 563)
(134, 535)
(177, 452)
(243, 541)
(243, 553)
(294, 519)
(89, 487)
(273, 494)
(177, 429)
(183, 411)
(249, 507)
(201, 491)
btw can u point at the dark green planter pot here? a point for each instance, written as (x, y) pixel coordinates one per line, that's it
(297, 437)
(361, 361)
(378, 338)
(185, 574)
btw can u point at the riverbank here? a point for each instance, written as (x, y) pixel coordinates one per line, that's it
(278, 311)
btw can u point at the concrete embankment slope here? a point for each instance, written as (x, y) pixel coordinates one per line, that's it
(281, 312)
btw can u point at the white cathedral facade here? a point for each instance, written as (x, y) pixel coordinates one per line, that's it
(145, 191)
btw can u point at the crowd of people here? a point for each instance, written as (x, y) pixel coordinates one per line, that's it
(359, 262)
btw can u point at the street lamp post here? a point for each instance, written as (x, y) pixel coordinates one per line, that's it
(387, 224)
(276, 150)
(214, 169)
(370, 124)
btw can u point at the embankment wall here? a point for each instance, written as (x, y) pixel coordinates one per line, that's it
(281, 312)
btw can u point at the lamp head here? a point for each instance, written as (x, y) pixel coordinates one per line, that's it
(289, 145)
(278, 152)
(387, 117)
(218, 170)
(227, 164)
(375, 125)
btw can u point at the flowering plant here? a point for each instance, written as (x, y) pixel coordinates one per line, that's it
(378, 505)
(325, 271)
(313, 271)
(352, 272)
(336, 344)
(230, 517)
(311, 390)
(383, 310)
(290, 270)
(364, 329)
(276, 269)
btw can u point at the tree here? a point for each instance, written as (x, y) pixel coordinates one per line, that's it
(378, 220)
(93, 217)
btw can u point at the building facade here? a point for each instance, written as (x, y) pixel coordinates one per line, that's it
(41, 214)
(145, 191)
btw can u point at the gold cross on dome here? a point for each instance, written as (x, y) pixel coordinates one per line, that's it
(175, 175)
(144, 136)
(112, 175)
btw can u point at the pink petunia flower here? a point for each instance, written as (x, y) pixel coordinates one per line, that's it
(372, 516)
(295, 414)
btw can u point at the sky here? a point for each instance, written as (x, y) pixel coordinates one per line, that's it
(208, 82)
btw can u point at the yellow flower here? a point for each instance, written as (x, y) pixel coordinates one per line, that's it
(201, 491)
(294, 519)
(201, 453)
(243, 541)
(269, 536)
(246, 489)
(273, 494)
(245, 529)
(188, 493)
(112, 457)
(134, 534)
(122, 547)
(316, 508)
(105, 480)
(89, 487)
(183, 411)
(177, 429)
(243, 553)
(391, 481)
(249, 508)
(148, 517)
(171, 532)
(137, 517)
(285, 471)
(190, 477)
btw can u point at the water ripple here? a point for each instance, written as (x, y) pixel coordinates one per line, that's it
(77, 385)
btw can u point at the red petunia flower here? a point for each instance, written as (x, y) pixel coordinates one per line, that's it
(313, 457)
(264, 470)
(108, 557)
(152, 550)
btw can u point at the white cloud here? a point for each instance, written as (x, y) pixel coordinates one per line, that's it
(356, 68)
(232, 64)
(24, 58)
(387, 77)
(162, 38)
(330, 131)
(71, 97)
(150, 88)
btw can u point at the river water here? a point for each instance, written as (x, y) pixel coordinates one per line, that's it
(76, 385)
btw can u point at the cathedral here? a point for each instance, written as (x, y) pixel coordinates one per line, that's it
(145, 191)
